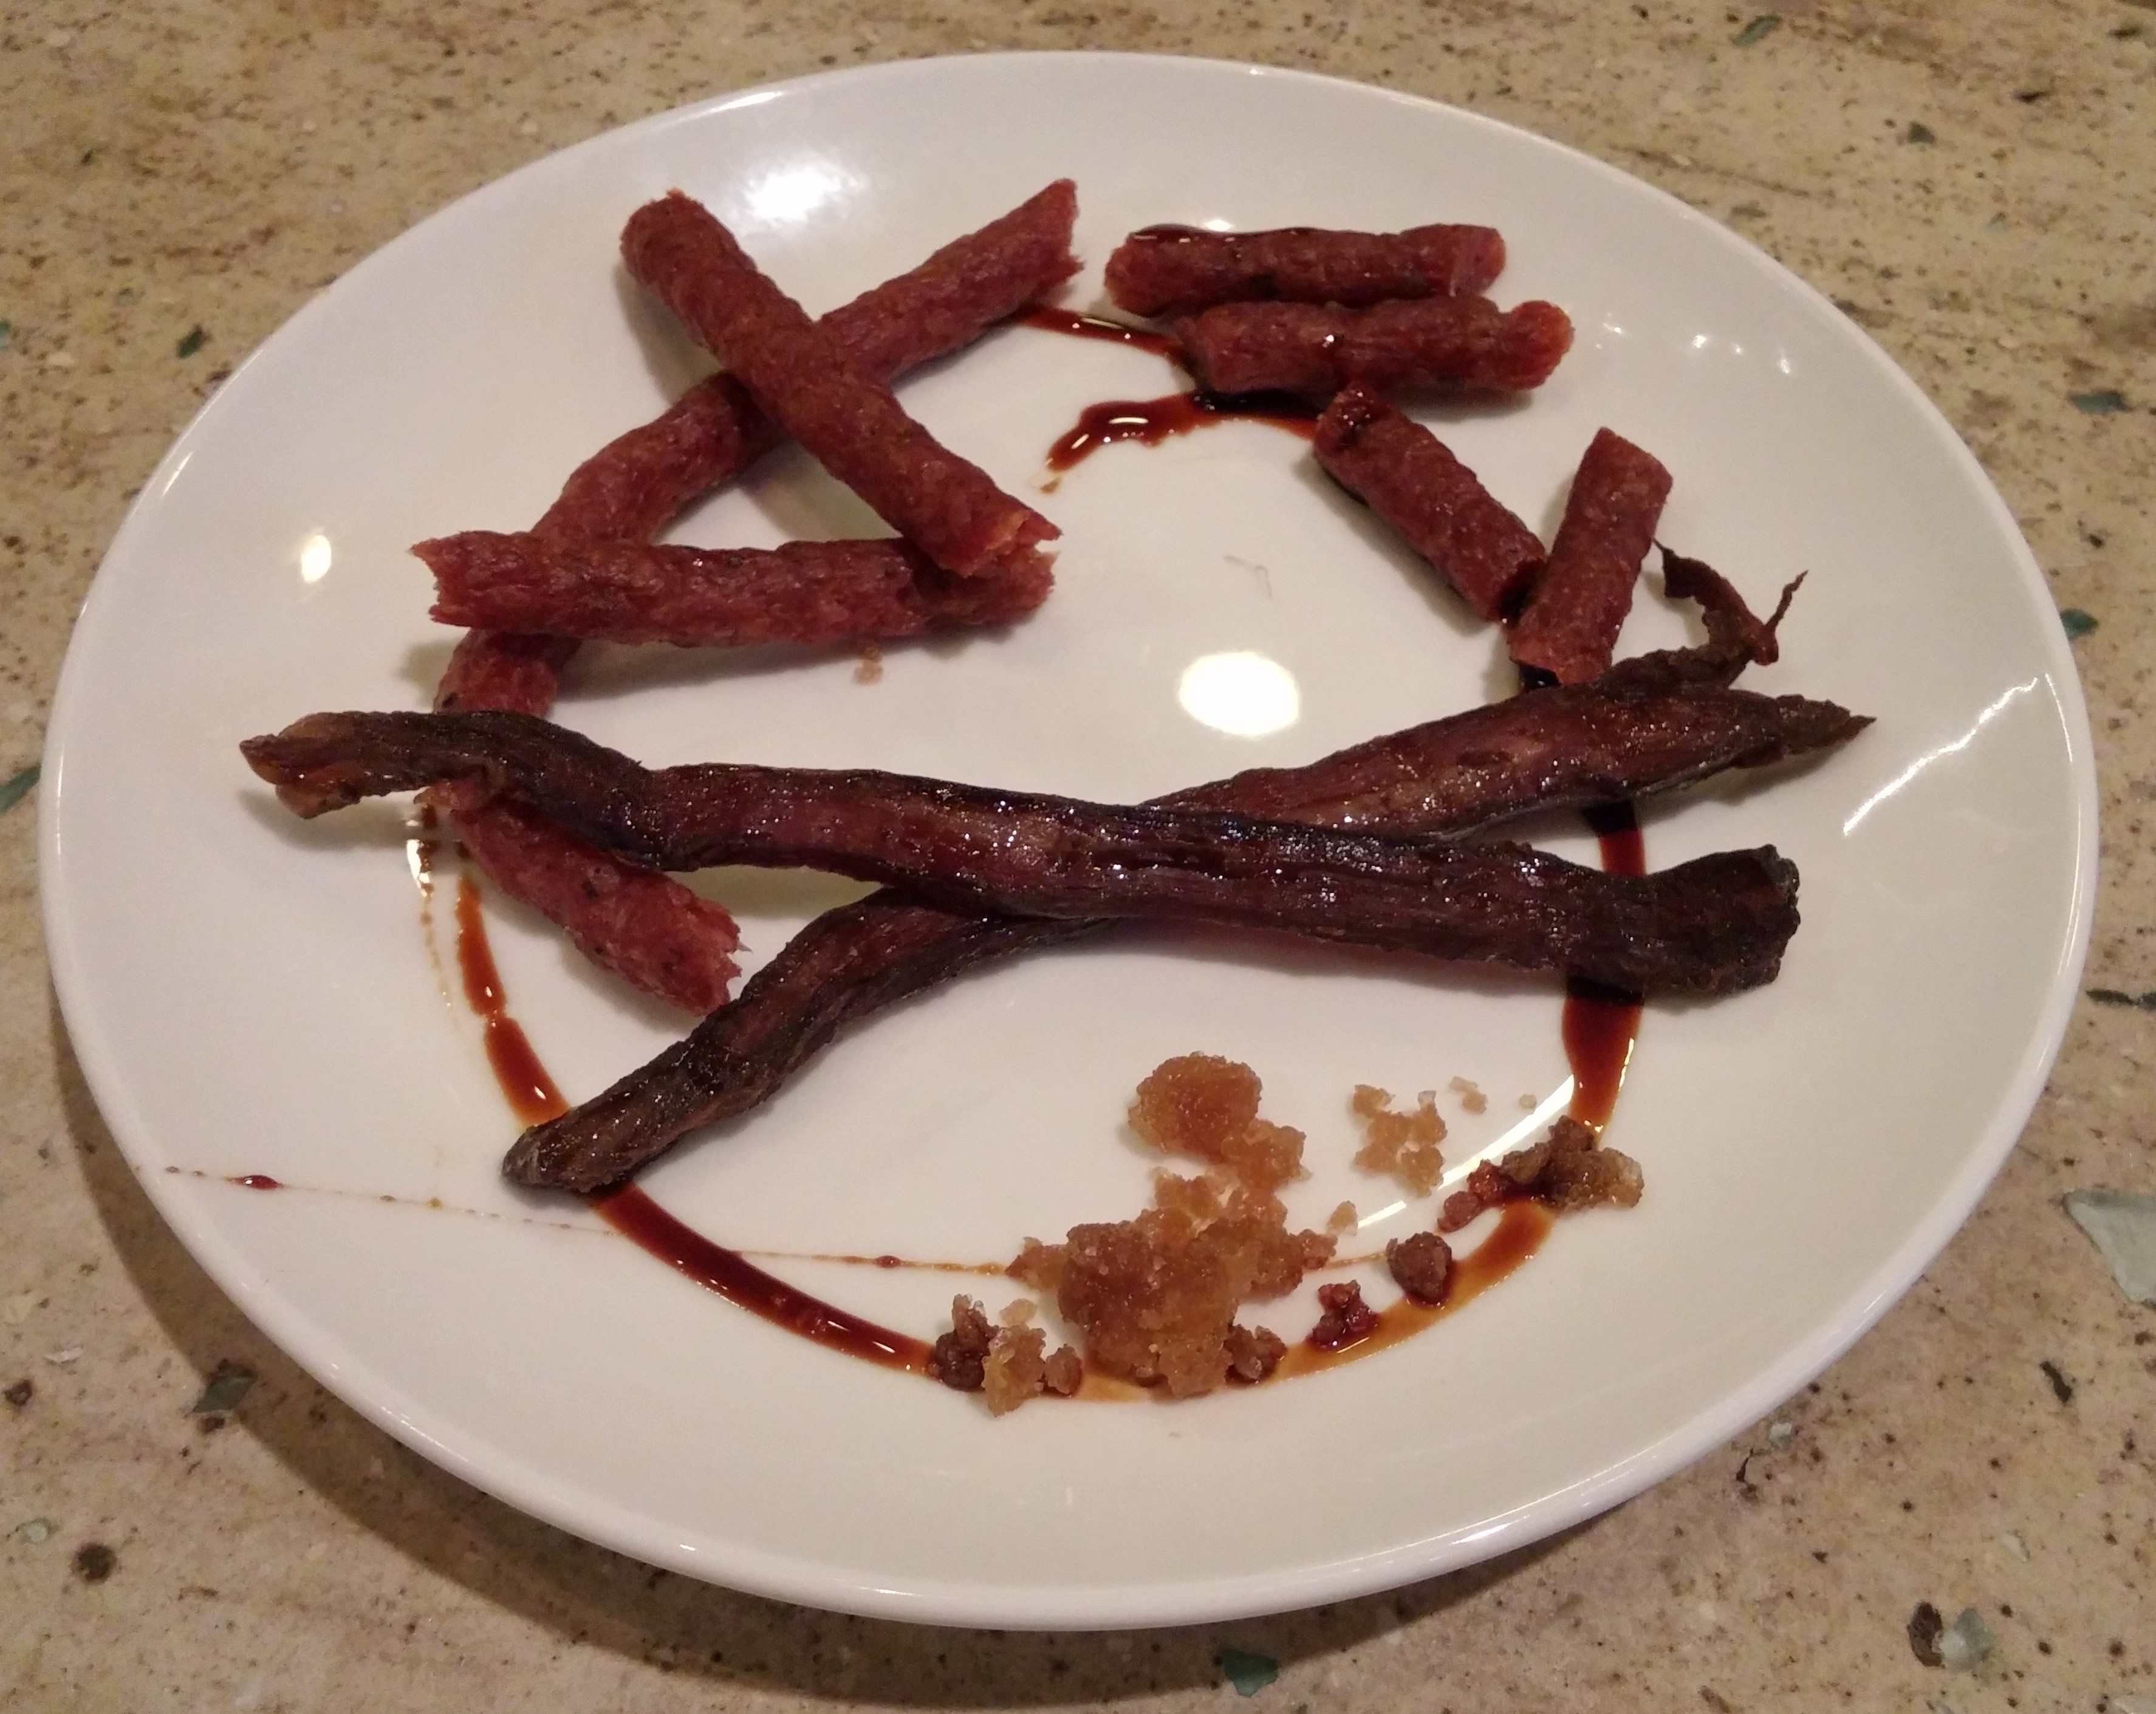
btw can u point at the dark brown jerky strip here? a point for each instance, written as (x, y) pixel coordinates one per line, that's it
(1714, 925)
(629, 591)
(1410, 478)
(1171, 270)
(851, 962)
(646, 925)
(808, 381)
(1315, 350)
(1570, 623)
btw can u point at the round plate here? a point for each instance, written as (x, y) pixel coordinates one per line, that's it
(252, 994)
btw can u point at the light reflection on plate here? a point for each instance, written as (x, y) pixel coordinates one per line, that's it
(250, 994)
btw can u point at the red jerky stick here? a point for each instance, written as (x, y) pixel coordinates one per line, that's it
(806, 379)
(647, 926)
(631, 488)
(1314, 350)
(634, 592)
(1411, 479)
(1569, 626)
(1171, 270)
(618, 914)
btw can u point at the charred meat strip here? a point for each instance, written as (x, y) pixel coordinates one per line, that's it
(1716, 923)
(1569, 626)
(1314, 350)
(851, 962)
(673, 943)
(1171, 270)
(812, 387)
(631, 591)
(1410, 478)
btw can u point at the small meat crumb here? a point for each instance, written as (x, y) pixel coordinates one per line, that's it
(1343, 1218)
(958, 1357)
(1404, 1145)
(1471, 1098)
(1345, 1318)
(1421, 1265)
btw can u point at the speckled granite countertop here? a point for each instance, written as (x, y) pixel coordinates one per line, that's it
(1975, 183)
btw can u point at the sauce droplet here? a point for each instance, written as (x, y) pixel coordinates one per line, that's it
(530, 1092)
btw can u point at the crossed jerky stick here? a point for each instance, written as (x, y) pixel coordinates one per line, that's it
(645, 926)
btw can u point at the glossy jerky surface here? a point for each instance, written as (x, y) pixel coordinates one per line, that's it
(1166, 271)
(806, 380)
(630, 592)
(1314, 350)
(1410, 478)
(1543, 749)
(1716, 924)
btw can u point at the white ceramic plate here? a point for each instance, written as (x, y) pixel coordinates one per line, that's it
(250, 994)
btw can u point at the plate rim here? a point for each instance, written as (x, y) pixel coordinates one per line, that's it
(1123, 1604)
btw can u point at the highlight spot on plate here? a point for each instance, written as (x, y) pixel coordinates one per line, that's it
(1244, 695)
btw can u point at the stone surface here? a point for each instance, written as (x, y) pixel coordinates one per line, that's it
(1975, 183)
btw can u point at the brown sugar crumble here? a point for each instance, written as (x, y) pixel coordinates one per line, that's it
(1471, 1098)
(868, 667)
(1155, 1297)
(1404, 1145)
(1008, 1362)
(1343, 1218)
(1569, 1170)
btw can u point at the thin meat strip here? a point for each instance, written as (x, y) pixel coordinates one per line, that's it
(646, 926)
(1410, 478)
(1656, 720)
(808, 381)
(1315, 350)
(1172, 270)
(634, 592)
(1715, 925)
(1569, 626)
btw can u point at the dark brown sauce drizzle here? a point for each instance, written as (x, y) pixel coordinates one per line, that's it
(740, 1282)
(1601, 1024)
(533, 1096)
(1073, 325)
(530, 1092)
(1599, 1029)
(1522, 1227)
(1150, 421)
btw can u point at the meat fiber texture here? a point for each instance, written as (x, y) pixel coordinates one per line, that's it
(1315, 350)
(634, 591)
(1171, 270)
(1569, 626)
(624, 917)
(813, 386)
(1410, 478)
